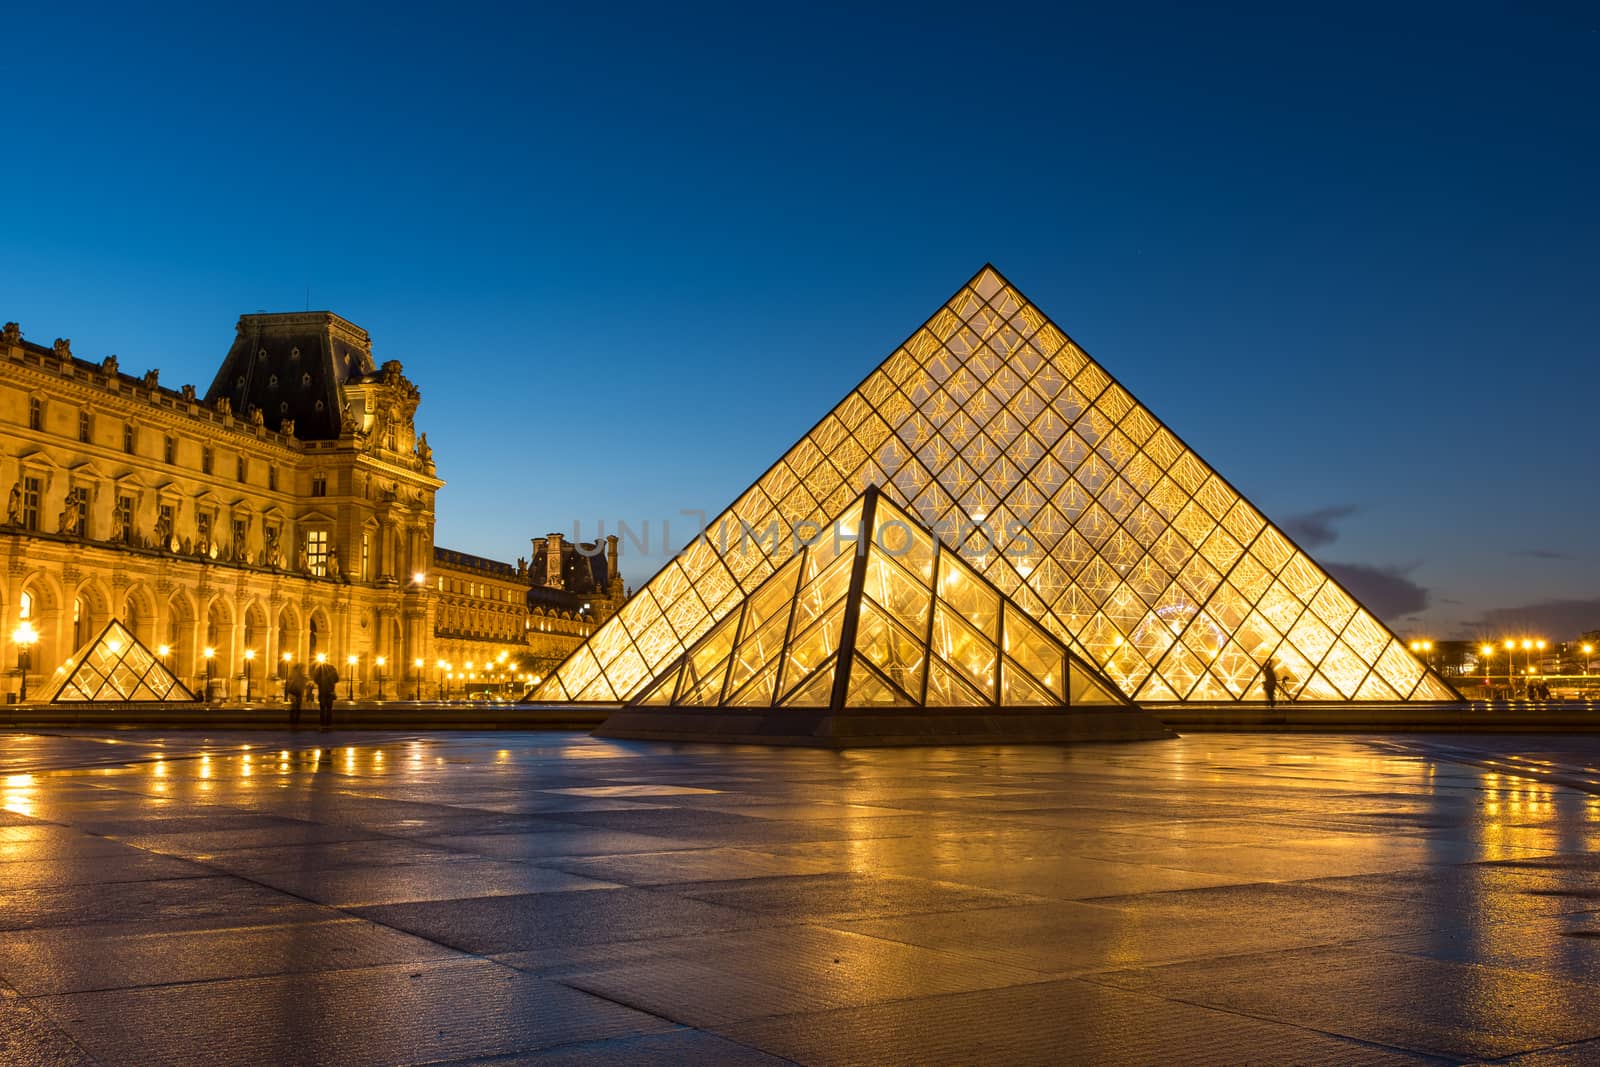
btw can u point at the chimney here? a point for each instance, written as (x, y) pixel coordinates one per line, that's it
(552, 561)
(612, 551)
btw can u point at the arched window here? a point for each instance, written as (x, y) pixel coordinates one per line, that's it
(25, 606)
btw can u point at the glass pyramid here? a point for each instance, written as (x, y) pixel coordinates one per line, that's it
(1109, 531)
(875, 613)
(115, 667)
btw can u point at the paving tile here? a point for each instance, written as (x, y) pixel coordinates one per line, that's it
(97, 870)
(29, 1039)
(721, 979)
(679, 1046)
(688, 865)
(1455, 1010)
(822, 897)
(1047, 1024)
(182, 903)
(550, 843)
(372, 1017)
(486, 925)
(463, 876)
(76, 959)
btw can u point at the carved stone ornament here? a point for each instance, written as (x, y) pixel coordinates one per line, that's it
(256, 417)
(224, 406)
(11, 334)
(286, 427)
(63, 348)
(152, 380)
(108, 366)
(14, 505)
(188, 393)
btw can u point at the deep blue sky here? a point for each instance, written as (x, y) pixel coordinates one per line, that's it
(629, 257)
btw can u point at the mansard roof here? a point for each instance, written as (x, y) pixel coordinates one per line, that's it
(292, 365)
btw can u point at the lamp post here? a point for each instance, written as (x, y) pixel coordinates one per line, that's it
(351, 661)
(378, 663)
(25, 636)
(440, 669)
(211, 673)
(249, 658)
(416, 678)
(1588, 651)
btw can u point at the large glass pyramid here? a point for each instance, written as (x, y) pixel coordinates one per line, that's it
(1101, 524)
(115, 667)
(878, 613)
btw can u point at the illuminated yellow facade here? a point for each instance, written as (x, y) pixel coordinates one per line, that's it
(1066, 494)
(877, 613)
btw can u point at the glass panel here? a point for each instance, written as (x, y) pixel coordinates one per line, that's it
(812, 648)
(1018, 690)
(817, 692)
(661, 695)
(907, 601)
(702, 688)
(1085, 688)
(947, 689)
(827, 591)
(898, 654)
(760, 690)
(1375, 688)
(969, 595)
(756, 650)
(1344, 669)
(1400, 668)
(1036, 651)
(902, 538)
(963, 646)
(773, 599)
(868, 690)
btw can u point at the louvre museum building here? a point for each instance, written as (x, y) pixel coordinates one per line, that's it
(284, 513)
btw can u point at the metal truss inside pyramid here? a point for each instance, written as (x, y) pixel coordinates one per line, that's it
(1095, 519)
(116, 667)
(876, 612)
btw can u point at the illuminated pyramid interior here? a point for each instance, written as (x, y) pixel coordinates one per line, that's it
(1105, 528)
(115, 667)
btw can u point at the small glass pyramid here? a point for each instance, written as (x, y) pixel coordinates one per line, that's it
(876, 612)
(1128, 547)
(117, 668)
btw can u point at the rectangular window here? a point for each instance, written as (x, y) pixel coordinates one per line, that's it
(319, 485)
(165, 525)
(84, 427)
(366, 557)
(240, 469)
(272, 477)
(127, 438)
(35, 413)
(205, 460)
(32, 491)
(317, 552)
(124, 527)
(170, 449)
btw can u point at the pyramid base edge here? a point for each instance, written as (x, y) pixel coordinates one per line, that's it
(867, 729)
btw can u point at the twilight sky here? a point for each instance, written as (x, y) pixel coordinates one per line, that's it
(630, 256)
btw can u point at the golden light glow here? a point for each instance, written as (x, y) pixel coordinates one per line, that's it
(163, 651)
(25, 634)
(249, 654)
(352, 659)
(209, 653)
(322, 657)
(288, 657)
(381, 661)
(991, 409)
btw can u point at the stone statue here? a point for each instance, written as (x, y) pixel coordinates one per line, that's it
(424, 450)
(273, 554)
(11, 334)
(256, 417)
(14, 505)
(286, 427)
(71, 514)
(63, 348)
(188, 393)
(108, 366)
(152, 380)
(302, 565)
(119, 531)
(224, 406)
(347, 420)
(164, 531)
(188, 547)
(333, 562)
(522, 567)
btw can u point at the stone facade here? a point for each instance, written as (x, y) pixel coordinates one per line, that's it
(287, 512)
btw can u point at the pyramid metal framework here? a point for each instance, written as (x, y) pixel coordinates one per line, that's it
(877, 613)
(1097, 520)
(117, 668)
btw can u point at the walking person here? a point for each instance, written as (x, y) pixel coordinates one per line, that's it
(294, 687)
(1269, 682)
(327, 678)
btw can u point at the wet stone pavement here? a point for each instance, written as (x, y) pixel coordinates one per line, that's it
(553, 899)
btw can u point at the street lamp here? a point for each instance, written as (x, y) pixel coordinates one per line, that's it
(211, 673)
(379, 662)
(416, 678)
(249, 658)
(25, 636)
(352, 660)
(1588, 650)
(441, 667)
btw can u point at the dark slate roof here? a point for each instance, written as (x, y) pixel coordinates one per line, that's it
(291, 366)
(467, 561)
(581, 573)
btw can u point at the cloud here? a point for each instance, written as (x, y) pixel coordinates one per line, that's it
(1560, 620)
(1541, 553)
(1315, 528)
(1387, 591)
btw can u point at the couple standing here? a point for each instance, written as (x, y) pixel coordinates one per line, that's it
(326, 678)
